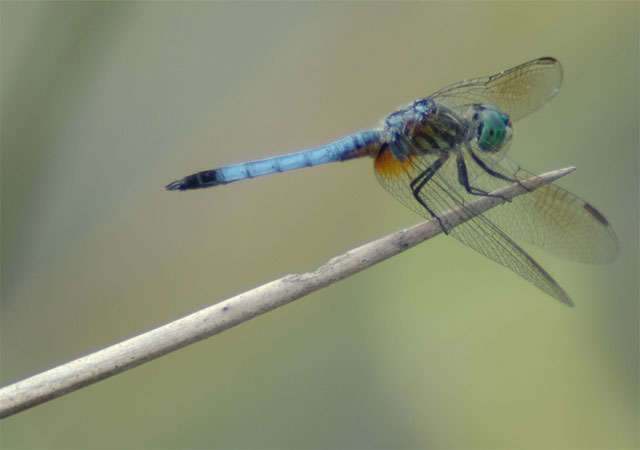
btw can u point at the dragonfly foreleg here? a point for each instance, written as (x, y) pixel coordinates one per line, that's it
(492, 172)
(463, 176)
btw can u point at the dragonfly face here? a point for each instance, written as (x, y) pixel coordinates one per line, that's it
(493, 128)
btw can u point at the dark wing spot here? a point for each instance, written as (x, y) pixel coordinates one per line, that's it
(547, 60)
(595, 213)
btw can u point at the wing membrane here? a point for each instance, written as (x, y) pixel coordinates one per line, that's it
(550, 217)
(478, 233)
(518, 91)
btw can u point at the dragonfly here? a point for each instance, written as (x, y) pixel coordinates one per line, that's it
(442, 151)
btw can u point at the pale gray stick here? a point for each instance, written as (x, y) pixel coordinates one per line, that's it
(226, 314)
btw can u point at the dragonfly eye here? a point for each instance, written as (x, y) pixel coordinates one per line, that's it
(492, 130)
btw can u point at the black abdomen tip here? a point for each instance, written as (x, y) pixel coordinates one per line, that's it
(176, 186)
(198, 180)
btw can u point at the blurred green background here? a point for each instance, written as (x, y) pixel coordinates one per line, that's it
(105, 103)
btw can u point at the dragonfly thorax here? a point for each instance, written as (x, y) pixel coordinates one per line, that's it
(424, 127)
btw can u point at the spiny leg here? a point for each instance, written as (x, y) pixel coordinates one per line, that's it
(421, 180)
(463, 176)
(493, 173)
(490, 171)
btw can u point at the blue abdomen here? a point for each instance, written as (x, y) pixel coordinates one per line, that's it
(355, 146)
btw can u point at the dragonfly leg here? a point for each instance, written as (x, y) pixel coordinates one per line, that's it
(463, 176)
(421, 180)
(493, 173)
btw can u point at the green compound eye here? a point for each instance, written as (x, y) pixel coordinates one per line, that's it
(492, 130)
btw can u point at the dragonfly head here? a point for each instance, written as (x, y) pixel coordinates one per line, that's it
(493, 127)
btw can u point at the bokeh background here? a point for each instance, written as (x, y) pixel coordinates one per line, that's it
(105, 103)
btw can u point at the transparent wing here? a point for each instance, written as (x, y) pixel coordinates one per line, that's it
(518, 91)
(549, 217)
(443, 193)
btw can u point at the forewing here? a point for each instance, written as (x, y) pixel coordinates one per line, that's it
(518, 91)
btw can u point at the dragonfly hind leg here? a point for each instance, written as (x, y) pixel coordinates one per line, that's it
(421, 180)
